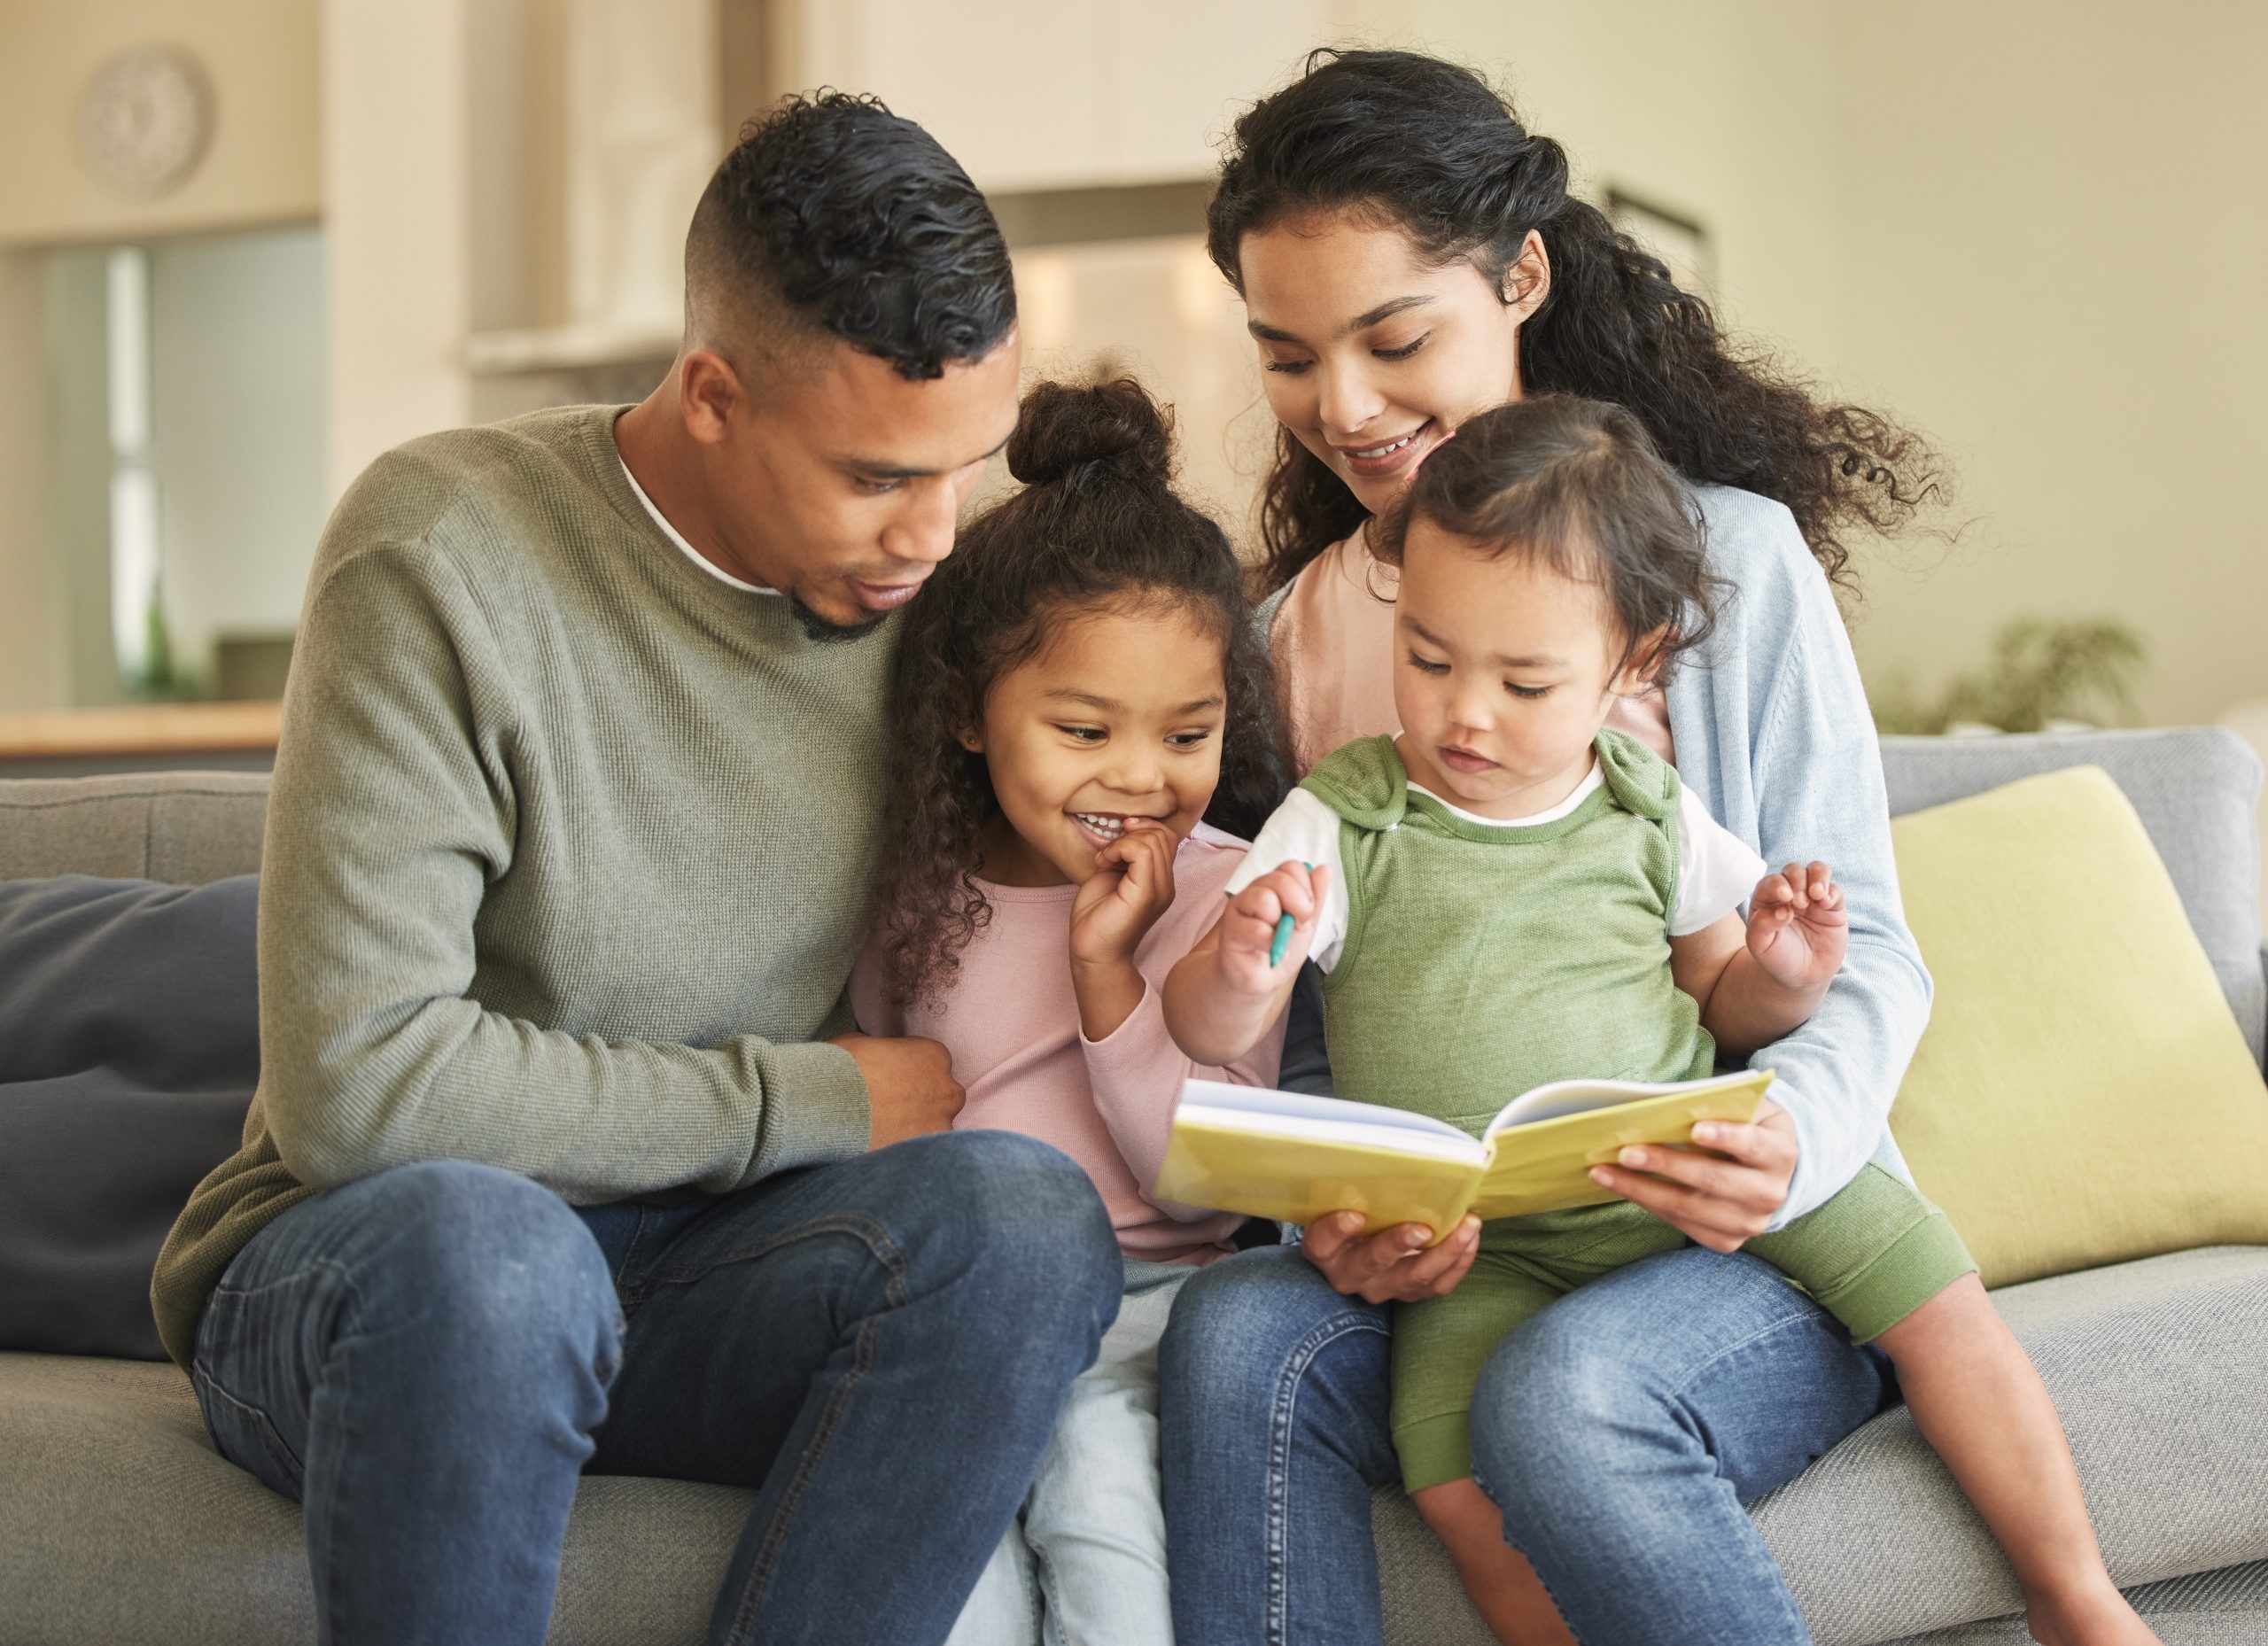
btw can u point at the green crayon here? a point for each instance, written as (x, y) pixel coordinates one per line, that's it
(1284, 924)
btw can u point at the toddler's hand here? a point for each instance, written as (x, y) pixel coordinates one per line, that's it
(1131, 886)
(1248, 929)
(1798, 928)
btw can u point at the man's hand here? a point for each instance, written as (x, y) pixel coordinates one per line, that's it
(1393, 1266)
(1721, 1203)
(910, 1086)
(1118, 904)
(1798, 928)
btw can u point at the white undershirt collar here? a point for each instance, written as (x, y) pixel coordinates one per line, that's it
(677, 538)
(1592, 779)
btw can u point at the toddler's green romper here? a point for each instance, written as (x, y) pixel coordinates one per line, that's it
(1480, 961)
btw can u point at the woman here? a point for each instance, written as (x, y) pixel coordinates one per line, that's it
(1409, 255)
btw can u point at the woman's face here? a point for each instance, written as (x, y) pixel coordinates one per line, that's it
(1371, 355)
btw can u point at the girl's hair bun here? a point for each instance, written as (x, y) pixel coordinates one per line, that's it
(1070, 430)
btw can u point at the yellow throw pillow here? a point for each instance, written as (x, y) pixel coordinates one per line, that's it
(2083, 1094)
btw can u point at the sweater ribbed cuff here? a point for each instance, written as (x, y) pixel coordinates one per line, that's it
(815, 1108)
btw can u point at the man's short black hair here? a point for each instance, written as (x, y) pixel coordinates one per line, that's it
(834, 214)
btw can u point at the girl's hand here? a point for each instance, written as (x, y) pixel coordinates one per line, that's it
(1118, 904)
(1393, 1266)
(1798, 928)
(1721, 1203)
(1248, 929)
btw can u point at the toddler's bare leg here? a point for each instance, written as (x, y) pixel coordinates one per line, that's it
(1504, 1588)
(1976, 1398)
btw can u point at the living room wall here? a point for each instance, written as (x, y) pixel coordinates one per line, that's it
(261, 167)
(2053, 230)
(2031, 232)
(2034, 233)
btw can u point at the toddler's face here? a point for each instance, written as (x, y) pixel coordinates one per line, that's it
(1503, 673)
(1119, 716)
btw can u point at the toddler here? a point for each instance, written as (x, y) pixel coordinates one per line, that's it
(1081, 689)
(1509, 894)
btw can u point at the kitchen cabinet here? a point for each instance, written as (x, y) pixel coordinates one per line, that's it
(1046, 94)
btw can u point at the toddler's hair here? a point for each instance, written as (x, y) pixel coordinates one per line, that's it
(1097, 526)
(1578, 485)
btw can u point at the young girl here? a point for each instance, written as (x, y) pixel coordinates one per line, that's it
(1081, 693)
(1510, 892)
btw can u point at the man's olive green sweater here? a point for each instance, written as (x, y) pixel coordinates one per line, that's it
(568, 853)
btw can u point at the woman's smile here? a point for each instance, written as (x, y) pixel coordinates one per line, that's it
(1391, 459)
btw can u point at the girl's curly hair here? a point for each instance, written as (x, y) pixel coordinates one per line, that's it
(1428, 147)
(1096, 525)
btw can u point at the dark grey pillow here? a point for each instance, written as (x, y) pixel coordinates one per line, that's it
(129, 1046)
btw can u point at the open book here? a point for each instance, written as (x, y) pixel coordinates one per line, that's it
(1296, 1158)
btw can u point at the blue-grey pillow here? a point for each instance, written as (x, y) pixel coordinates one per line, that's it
(129, 1046)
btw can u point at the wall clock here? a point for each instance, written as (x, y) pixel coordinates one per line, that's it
(145, 118)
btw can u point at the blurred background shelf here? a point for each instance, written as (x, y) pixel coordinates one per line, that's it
(72, 742)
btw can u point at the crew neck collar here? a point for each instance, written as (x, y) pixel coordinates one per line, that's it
(677, 538)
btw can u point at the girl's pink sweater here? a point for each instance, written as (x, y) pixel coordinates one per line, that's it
(1012, 1023)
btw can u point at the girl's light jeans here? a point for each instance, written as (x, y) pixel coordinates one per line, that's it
(1085, 1563)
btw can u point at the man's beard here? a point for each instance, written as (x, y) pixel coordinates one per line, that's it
(821, 629)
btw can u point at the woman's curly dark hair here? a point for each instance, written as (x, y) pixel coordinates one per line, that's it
(1096, 525)
(1429, 147)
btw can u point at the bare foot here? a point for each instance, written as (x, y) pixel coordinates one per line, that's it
(2096, 1616)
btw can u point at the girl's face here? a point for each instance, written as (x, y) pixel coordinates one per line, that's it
(1503, 673)
(1370, 355)
(1118, 717)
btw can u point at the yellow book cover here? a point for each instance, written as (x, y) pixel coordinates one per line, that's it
(1296, 1158)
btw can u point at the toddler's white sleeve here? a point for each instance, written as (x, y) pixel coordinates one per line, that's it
(1303, 830)
(1716, 869)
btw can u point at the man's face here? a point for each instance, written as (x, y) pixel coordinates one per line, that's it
(839, 482)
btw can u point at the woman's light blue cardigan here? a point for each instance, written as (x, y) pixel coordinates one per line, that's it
(1772, 732)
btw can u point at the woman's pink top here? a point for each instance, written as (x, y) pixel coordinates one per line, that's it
(1012, 1023)
(1332, 640)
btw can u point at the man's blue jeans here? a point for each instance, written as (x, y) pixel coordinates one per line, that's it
(427, 1359)
(1621, 1431)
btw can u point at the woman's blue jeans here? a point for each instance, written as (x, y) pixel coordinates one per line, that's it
(429, 1358)
(1621, 1431)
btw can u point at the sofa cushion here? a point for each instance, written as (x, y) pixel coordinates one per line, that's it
(2082, 1095)
(2193, 788)
(2157, 1369)
(2228, 1607)
(129, 1051)
(119, 1523)
(183, 827)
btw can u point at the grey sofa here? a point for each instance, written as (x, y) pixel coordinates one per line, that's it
(119, 1525)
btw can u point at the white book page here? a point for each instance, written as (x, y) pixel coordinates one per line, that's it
(1573, 1097)
(1295, 1115)
(1410, 1142)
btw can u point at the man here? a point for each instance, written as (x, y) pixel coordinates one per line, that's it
(560, 1156)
